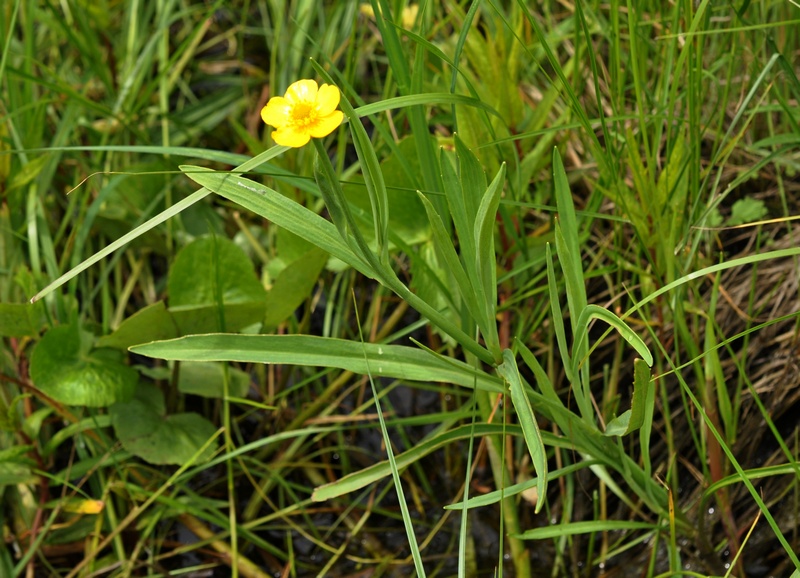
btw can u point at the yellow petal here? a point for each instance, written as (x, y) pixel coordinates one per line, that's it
(290, 137)
(327, 99)
(326, 125)
(276, 113)
(80, 506)
(410, 15)
(302, 91)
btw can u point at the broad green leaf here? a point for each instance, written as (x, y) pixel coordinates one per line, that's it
(207, 379)
(65, 367)
(17, 320)
(144, 430)
(289, 246)
(153, 323)
(527, 420)
(205, 270)
(293, 286)
(747, 210)
(395, 361)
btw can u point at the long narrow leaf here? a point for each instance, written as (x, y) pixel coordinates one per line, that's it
(573, 528)
(595, 312)
(154, 222)
(395, 361)
(368, 475)
(280, 210)
(500, 495)
(444, 245)
(485, 259)
(527, 420)
(371, 170)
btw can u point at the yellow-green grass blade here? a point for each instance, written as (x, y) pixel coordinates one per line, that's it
(368, 475)
(499, 495)
(588, 527)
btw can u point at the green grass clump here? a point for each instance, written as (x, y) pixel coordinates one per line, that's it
(530, 310)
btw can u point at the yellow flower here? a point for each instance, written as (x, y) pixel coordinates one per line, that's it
(305, 111)
(408, 18)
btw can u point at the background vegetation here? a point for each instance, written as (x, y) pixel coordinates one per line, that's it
(371, 356)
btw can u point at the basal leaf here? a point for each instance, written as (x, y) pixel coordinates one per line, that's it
(16, 320)
(293, 286)
(147, 432)
(153, 323)
(205, 269)
(65, 367)
(206, 379)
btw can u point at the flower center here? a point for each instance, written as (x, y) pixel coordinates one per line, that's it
(303, 114)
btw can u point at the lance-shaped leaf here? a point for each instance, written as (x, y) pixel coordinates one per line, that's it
(282, 211)
(395, 361)
(527, 420)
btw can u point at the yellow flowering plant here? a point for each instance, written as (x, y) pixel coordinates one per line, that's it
(305, 111)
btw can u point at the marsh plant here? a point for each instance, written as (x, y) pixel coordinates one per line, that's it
(342, 289)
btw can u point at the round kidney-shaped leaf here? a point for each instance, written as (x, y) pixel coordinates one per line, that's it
(207, 378)
(65, 367)
(207, 270)
(147, 432)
